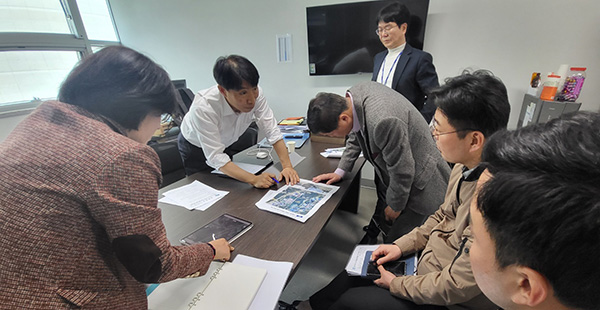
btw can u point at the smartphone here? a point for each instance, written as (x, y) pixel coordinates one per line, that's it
(396, 267)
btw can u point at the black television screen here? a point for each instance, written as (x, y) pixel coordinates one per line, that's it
(342, 39)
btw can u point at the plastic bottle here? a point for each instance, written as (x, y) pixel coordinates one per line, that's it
(550, 87)
(573, 84)
(562, 71)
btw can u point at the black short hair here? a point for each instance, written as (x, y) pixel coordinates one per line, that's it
(473, 101)
(231, 71)
(542, 203)
(119, 84)
(324, 111)
(395, 12)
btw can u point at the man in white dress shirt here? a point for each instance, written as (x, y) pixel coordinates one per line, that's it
(220, 115)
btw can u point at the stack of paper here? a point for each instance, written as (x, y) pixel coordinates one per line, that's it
(194, 196)
(293, 128)
(292, 121)
(335, 152)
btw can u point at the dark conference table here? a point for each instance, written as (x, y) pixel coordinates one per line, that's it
(273, 237)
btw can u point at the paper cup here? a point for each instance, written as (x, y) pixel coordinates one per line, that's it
(291, 145)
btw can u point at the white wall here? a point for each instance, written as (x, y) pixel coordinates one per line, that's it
(187, 36)
(514, 38)
(511, 37)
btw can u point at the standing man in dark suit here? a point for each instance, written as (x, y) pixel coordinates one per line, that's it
(401, 67)
(395, 139)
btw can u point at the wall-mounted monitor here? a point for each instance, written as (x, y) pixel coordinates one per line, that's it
(342, 39)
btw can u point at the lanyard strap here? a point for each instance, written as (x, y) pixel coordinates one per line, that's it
(390, 71)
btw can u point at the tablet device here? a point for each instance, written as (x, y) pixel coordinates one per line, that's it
(225, 226)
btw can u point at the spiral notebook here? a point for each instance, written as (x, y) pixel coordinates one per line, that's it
(224, 286)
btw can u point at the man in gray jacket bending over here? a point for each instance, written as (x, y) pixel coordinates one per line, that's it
(470, 108)
(395, 139)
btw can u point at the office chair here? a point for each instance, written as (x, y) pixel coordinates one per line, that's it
(184, 101)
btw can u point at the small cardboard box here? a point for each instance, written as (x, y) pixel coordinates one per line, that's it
(326, 139)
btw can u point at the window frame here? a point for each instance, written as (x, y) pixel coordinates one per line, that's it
(77, 41)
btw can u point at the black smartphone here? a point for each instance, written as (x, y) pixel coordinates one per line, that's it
(396, 267)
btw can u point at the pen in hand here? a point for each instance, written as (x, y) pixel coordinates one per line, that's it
(274, 179)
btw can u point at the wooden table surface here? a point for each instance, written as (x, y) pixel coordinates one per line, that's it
(273, 237)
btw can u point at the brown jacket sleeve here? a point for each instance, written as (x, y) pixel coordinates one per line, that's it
(124, 201)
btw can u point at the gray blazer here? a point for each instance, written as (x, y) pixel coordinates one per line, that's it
(396, 140)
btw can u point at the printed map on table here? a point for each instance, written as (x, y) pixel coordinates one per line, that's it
(299, 202)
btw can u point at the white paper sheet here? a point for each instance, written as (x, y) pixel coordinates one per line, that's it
(273, 284)
(355, 263)
(335, 152)
(196, 195)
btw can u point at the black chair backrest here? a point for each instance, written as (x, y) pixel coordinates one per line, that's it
(170, 160)
(187, 96)
(184, 101)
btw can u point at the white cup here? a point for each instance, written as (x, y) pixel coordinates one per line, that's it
(291, 145)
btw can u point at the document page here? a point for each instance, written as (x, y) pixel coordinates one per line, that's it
(194, 196)
(335, 152)
(299, 201)
(357, 259)
(273, 284)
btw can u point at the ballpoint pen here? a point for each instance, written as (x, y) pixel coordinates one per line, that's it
(274, 179)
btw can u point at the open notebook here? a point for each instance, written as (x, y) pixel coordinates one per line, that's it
(224, 286)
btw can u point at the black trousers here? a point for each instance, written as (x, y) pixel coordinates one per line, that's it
(407, 220)
(355, 293)
(194, 159)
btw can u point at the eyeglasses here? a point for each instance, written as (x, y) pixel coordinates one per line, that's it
(436, 134)
(386, 30)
